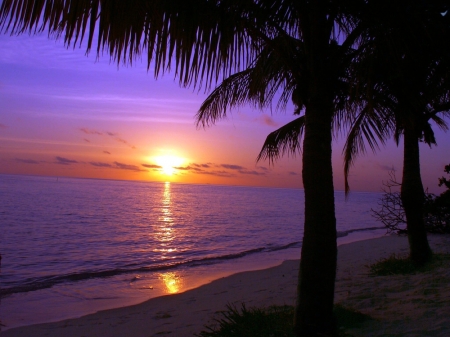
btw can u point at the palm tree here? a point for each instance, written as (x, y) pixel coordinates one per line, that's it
(205, 40)
(269, 74)
(400, 84)
(406, 83)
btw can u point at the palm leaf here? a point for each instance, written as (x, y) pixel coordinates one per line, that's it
(193, 36)
(232, 92)
(270, 76)
(440, 122)
(371, 127)
(285, 140)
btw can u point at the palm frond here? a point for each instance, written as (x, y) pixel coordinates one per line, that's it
(285, 140)
(428, 135)
(368, 127)
(270, 77)
(232, 92)
(193, 36)
(440, 122)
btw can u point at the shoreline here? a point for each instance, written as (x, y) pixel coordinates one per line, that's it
(415, 303)
(75, 300)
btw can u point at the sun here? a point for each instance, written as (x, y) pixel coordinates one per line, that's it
(168, 164)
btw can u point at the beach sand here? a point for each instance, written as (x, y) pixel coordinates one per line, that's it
(407, 305)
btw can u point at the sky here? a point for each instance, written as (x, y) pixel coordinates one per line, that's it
(67, 114)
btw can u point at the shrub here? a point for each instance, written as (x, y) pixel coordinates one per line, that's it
(436, 208)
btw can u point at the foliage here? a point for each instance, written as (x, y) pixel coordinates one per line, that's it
(392, 213)
(348, 318)
(401, 77)
(396, 265)
(273, 321)
(393, 265)
(444, 181)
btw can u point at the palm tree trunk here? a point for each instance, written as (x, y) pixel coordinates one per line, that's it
(413, 197)
(317, 273)
(315, 293)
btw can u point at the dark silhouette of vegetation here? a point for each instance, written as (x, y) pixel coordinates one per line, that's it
(405, 72)
(257, 322)
(436, 210)
(444, 181)
(275, 321)
(397, 265)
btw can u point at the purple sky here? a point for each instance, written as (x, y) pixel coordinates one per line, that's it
(63, 113)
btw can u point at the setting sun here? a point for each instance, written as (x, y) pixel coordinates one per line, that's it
(168, 164)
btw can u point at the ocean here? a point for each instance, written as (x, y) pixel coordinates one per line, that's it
(75, 246)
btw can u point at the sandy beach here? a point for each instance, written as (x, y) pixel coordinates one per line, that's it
(407, 305)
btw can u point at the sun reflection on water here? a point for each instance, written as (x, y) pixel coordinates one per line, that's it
(172, 282)
(165, 233)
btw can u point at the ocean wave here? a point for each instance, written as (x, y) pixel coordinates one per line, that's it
(347, 232)
(38, 283)
(33, 284)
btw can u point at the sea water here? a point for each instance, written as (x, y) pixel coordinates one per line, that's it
(75, 246)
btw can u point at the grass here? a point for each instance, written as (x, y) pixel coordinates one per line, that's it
(397, 265)
(275, 321)
(348, 318)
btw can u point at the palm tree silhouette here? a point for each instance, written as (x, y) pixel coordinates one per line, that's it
(283, 67)
(405, 70)
(400, 86)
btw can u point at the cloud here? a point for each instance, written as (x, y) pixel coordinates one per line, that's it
(263, 168)
(194, 168)
(122, 166)
(254, 173)
(116, 137)
(218, 173)
(206, 169)
(65, 161)
(183, 168)
(117, 165)
(208, 165)
(3, 126)
(123, 141)
(267, 120)
(111, 134)
(107, 152)
(197, 169)
(90, 131)
(232, 167)
(200, 169)
(292, 173)
(152, 166)
(99, 164)
(86, 140)
(27, 161)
